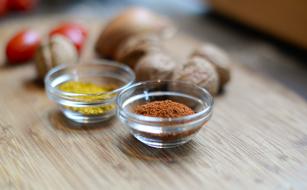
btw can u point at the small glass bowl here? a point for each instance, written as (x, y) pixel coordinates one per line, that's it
(164, 132)
(88, 108)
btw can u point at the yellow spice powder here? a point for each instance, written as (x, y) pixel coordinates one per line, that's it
(90, 89)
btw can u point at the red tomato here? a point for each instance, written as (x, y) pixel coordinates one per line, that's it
(22, 5)
(3, 7)
(22, 46)
(73, 31)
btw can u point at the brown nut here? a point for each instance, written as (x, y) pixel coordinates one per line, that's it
(55, 51)
(199, 71)
(130, 22)
(133, 49)
(218, 58)
(154, 66)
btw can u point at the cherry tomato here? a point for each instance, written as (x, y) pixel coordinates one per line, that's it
(3, 7)
(22, 5)
(22, 46)
(73, 31)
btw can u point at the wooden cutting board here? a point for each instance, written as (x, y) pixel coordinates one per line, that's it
(257, 138)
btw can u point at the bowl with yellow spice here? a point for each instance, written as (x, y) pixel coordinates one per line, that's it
(164, 114)
(86, 93)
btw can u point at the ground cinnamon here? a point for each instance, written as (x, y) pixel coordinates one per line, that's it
(164, 109)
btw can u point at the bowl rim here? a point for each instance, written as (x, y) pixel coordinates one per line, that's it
(102, 62)
(204, 112)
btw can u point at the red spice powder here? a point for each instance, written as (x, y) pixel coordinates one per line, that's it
(164, 109)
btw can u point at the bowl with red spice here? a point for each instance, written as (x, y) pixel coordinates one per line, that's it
(164, 114)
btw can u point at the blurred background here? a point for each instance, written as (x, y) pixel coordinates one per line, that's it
(267, 36)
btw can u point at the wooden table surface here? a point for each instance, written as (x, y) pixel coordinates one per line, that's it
(257, 138)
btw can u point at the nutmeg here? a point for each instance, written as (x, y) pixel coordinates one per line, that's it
(129, 23)
(199, 71)
(218, 58)
(54, 51)
(155, 66)
(134, 48)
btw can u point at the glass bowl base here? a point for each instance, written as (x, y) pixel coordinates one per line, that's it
(157, 143)
(81, 118)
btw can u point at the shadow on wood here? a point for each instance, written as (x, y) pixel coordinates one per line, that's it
(34, 84)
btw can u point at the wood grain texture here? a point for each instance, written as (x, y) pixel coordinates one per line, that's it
(257, 138)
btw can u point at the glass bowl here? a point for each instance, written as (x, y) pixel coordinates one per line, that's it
(164, 132)
(85, 107)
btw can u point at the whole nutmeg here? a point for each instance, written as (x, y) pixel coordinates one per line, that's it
(129, 23)
(218, 58)
(134, 48)
(155, 66)
(199, 71)
(55, 51)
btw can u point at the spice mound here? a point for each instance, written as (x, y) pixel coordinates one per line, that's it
(163, 109)
(167, 109)
(88, 90)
